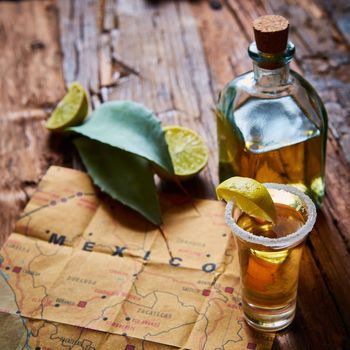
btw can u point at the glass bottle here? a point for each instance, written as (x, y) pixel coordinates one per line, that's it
(272, 125)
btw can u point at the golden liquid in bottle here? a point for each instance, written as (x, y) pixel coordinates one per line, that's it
(272, 142)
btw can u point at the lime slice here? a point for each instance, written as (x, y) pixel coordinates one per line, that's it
(71, 110)
(250, 195)
(188, 151)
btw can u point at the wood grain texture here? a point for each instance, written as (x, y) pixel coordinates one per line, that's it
(339, 12)
(31, 82)
(175, 57)
(79, 29)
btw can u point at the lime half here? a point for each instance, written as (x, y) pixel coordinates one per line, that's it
(250, 195)
(71, 110)
(188, 151)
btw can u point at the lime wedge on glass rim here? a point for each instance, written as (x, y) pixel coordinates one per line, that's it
(71, 110)
(188, 151)
(249, 195)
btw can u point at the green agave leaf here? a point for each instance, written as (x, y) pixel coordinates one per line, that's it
(123, 175)
(131, 127)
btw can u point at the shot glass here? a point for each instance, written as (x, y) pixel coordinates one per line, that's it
(269, 256)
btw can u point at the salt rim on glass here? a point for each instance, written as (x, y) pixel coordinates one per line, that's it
(289, 240)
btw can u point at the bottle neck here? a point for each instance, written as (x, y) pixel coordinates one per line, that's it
(271, 77)
(271, 70)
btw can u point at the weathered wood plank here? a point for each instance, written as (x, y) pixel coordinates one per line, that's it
(339, 11)
(79, 29)
(163, 67)
(31, 83)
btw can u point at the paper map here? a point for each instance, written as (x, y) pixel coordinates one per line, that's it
(84, 272)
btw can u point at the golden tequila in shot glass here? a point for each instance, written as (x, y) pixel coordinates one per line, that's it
(270, 256)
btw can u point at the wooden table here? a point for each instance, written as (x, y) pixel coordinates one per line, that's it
(174, 56)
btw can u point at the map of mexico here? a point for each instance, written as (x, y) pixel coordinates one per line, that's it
(79, 267)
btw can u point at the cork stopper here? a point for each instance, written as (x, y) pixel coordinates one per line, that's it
(271, 34)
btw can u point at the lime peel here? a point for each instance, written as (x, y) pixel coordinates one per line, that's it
(250, 196)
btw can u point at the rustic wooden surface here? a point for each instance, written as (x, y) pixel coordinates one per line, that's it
(174, 56)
